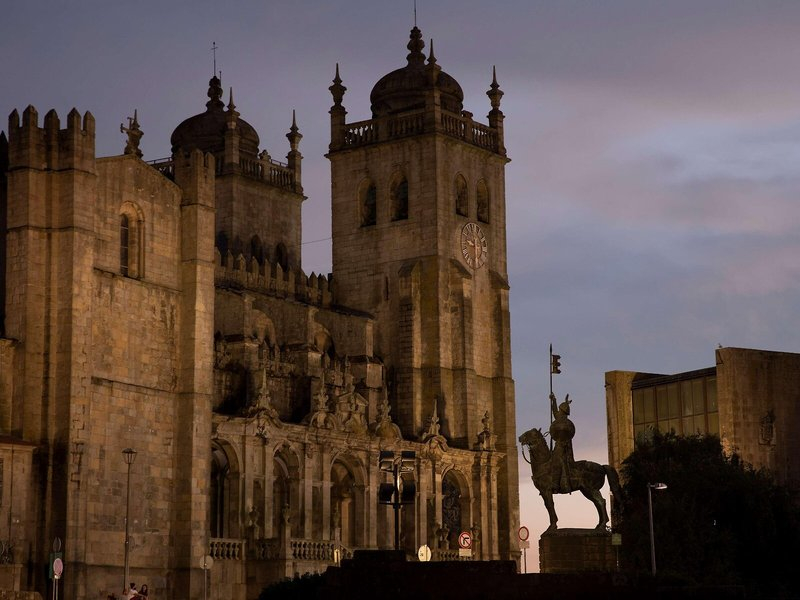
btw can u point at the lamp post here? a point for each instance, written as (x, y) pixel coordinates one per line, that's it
(399, 492)
(129, 454)
(650, 488)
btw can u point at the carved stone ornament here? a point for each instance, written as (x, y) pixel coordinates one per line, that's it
(134, 135)
(383, 426)
(352, 412)
(485, 437)
(321, 416)
(436, 442)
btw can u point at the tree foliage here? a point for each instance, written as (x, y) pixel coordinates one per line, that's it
(719, 521)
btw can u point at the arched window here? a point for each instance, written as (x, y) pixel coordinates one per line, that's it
(399, 191)
(369, 204)
(483, 201)
(131, 250)
(343, 513)
(282, 256)
(280, 493)
(124, 244)
(462, 206)
(256, 249)
(219, 493)
(455, 506)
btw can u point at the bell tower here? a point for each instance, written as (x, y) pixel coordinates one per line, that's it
(419, 241)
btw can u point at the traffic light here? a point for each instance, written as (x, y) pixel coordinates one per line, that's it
(555, 363)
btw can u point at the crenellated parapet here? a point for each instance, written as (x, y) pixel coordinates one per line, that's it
(50, 147)
(271, 279)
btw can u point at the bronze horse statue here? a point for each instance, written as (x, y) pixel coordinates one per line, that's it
(585, 477)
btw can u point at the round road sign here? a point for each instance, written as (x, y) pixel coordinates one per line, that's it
(58, 568)
(524, 534)
(424, 553)
(465, 539)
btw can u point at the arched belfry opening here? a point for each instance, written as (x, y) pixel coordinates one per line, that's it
(399, 193)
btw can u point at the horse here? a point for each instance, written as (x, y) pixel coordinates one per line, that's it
(585, 477)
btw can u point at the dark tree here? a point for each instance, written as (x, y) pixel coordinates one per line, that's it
(719, 522)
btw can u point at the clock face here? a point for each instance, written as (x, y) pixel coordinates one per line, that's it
(473, 245)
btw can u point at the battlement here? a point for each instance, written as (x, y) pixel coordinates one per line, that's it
(270, 278)
(51, 148)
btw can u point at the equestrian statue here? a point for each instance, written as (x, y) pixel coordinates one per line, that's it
(557, 472)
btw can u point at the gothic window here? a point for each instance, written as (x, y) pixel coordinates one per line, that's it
(131, 255)
(369, 204)
(462, 206)
(483, 202)
(400, 199)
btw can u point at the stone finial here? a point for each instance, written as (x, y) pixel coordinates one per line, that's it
(432, 69)
(321, 416)
(214, 94)
(337, 89)
(415, 46)
(436, 442)
(383, 426)
(294, 136)
(495, 93)
(134, 135)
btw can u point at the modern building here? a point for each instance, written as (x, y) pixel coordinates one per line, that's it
(750, 399)
(162, 307)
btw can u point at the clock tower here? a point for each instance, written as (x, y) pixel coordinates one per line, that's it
(419, 242)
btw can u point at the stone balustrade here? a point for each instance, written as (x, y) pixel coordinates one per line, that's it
(391, 127)
(226, 548)
(265, 169)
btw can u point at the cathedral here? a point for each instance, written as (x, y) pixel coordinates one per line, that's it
(182, 405)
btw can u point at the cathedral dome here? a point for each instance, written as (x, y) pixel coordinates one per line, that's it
(404, 89)
(206, 131)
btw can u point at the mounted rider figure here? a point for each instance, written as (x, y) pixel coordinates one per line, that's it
(562, 430)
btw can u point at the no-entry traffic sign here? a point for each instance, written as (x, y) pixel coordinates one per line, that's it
(465, 539)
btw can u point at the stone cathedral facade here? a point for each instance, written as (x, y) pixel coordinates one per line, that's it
(162, 306)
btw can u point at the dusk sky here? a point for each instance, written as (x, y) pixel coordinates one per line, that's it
(653, 197)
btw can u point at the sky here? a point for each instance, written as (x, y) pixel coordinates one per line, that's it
(652, 197)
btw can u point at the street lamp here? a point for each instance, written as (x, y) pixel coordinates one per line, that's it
(650, 487)
(129, 454)
(398, 492)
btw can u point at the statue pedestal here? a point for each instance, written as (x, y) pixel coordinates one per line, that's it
(576, 551)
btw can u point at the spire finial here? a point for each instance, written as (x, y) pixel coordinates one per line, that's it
(294, 136)
(415, 13)
(337, 90)
(495, 93)
(231, 105)
(431, 57)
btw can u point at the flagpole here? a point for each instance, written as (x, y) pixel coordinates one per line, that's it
(549, 401)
